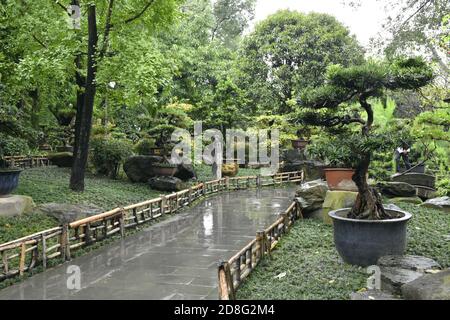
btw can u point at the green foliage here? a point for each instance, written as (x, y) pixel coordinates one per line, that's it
(49, 184)
(289, 51)
(335, 151)
(144, 146)
(314, 270)
(10, 146)
(107, 154)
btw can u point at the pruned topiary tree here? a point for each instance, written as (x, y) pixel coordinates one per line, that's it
(331, 106)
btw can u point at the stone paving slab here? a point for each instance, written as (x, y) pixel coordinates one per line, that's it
(175, 259)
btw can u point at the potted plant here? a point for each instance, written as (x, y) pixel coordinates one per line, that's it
(368, 230)
(336, 153)
(9, 176)
(164, 169)
(301, 142)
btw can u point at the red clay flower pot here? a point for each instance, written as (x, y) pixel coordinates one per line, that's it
(340, 179)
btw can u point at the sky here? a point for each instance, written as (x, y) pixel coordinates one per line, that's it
(364, 22)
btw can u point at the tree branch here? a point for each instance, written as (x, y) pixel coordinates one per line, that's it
(39, 41)
(108, 26)
(139, 14)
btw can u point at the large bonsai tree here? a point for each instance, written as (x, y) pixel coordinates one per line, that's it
(333, 106)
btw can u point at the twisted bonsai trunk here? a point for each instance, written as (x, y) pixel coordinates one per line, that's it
(368, 204)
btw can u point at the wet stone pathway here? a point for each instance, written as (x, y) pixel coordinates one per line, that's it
(174, 259)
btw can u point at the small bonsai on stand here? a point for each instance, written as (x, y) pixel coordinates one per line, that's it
(329, 106)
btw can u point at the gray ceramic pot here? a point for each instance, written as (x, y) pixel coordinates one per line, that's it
(363, 242)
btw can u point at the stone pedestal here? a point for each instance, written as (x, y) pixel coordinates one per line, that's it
(15, 205)
(337, 200)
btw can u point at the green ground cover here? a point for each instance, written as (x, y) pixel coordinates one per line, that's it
(314, 270)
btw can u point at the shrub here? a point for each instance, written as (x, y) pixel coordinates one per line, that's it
(144, 146)
(13, 146)
(107, 154)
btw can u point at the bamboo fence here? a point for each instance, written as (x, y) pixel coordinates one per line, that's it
(231, 273)
(27, 253)
(25, 162)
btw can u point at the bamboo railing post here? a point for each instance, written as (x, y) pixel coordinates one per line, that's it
(237, 270)
(44, 251)
(23, 249)
(122, 223)
(190, 195)
(226, 286)
(87, 233)
(136, 219)
(163, 204)
(227, 183)
(258, 181)
(5, 262)
(204, 189)
(260, 241)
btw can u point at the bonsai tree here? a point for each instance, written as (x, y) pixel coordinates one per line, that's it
(330, 106)
(167, 120)
(335, 151)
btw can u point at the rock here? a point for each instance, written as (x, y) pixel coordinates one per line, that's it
(397, 271)
(230, 169)
(185, 172)
(413, 200)
(442, 203)
(313, 169)
(392, 279)
(391, 206)
(139, 168)
(337, 200)
(396, 189)
(67, 213)
(426, 193)
(373, 295)
(311, 195)
(293, 155)
(166, 183)
(61, 159)
(415, 263)
(416, 179)
(429, 287)
(15, 205)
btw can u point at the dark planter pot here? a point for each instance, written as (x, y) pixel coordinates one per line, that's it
(164, 171)
(340, 179)
(299, 144)
(418, 169)
(64, 149)
(363, 242)
(9, 180)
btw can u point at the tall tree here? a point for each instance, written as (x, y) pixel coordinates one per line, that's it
(327, 106)
(289, 51)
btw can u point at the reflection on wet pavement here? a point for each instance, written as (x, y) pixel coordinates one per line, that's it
(175, 259)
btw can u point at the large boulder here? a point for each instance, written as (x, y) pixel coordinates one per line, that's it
(397, 189)
(185, 172)
(15, 205)
(337, 200)
(413, 200)
(396, 271)
(166, 183)
(373, 295)
(416, 179)
(311, 195)
(426, 193)
(67, 213)
(429, 287)
(442, 203)
(61, 159)
(313, 170)
(139, 168)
